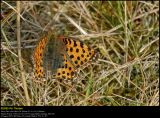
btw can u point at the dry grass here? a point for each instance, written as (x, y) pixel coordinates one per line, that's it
(125, 34)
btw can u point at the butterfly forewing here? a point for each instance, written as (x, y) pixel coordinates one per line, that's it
(38, 56)
(78, 52)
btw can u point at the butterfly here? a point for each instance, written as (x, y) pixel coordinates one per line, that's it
(60, 56)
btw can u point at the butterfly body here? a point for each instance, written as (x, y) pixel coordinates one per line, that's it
(53, 56)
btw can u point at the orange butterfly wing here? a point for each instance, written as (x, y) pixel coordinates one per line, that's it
(38, 56)
(77, 55)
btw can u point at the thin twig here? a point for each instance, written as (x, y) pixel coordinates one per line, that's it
(75, 24)
(20, 56)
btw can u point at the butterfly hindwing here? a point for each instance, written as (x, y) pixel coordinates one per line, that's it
(67, 71)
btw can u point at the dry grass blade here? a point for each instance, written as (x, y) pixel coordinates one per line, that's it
(20, 57)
